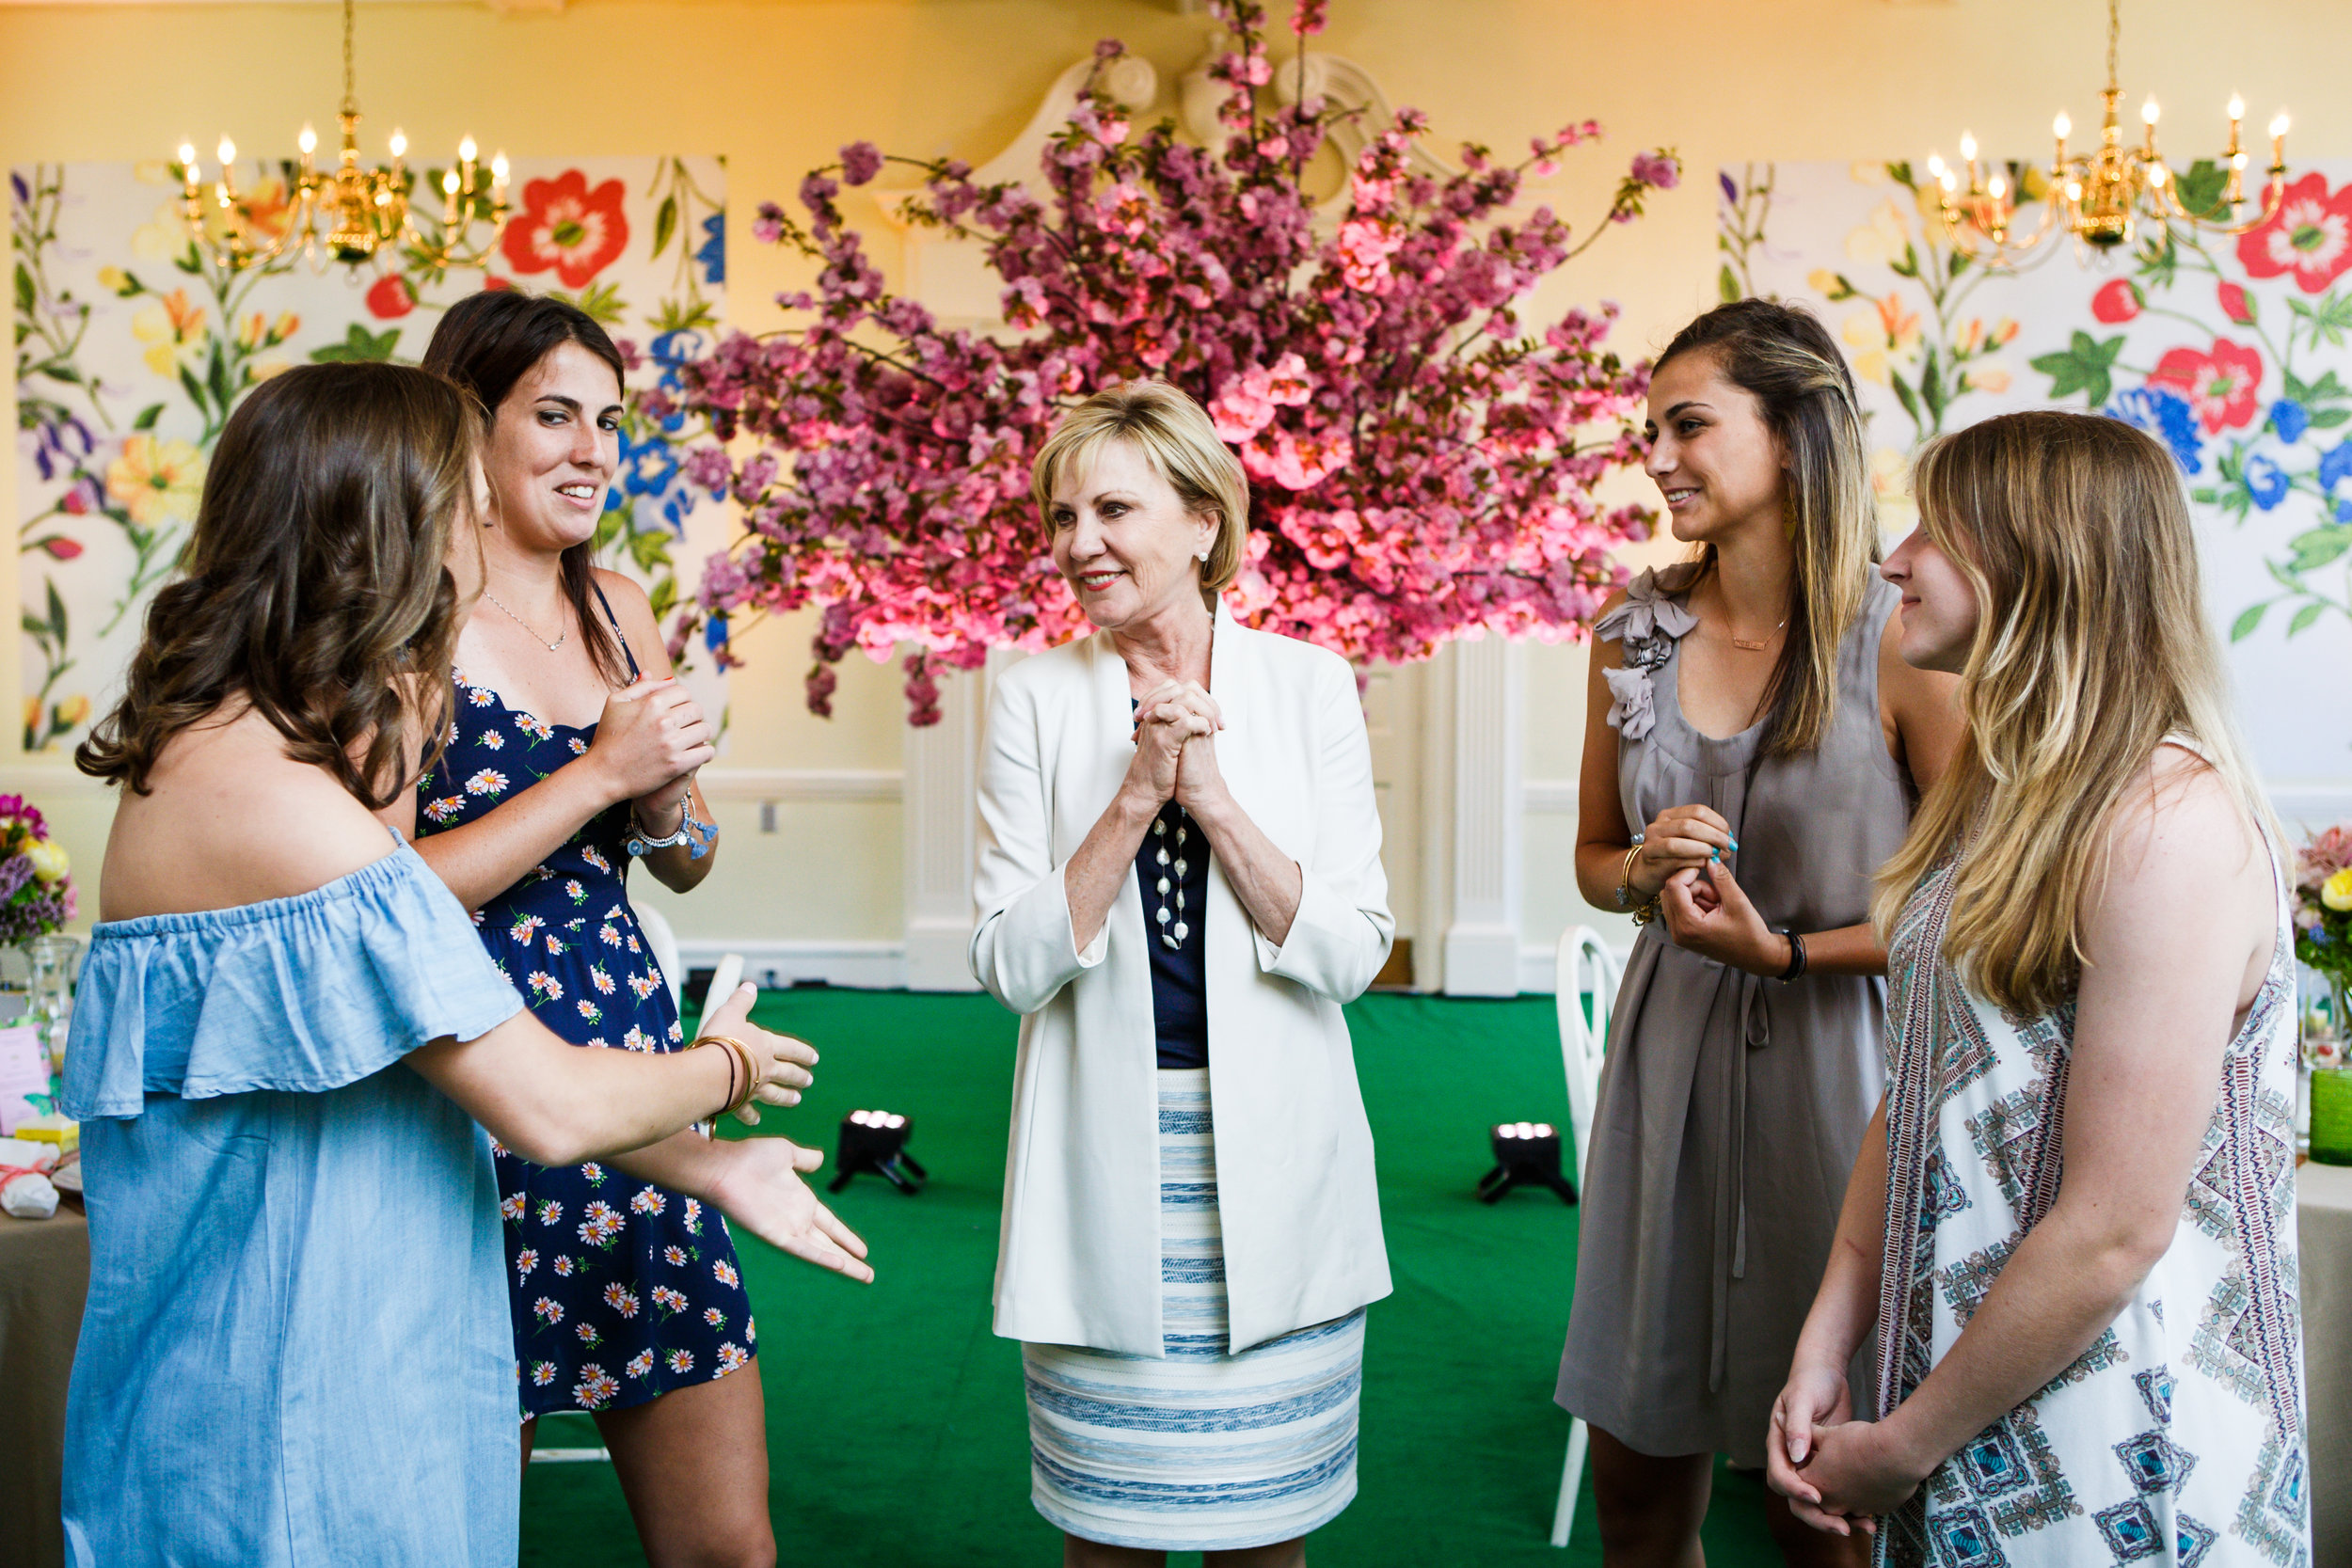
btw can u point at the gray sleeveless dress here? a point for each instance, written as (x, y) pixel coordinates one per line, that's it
(1731, 1105)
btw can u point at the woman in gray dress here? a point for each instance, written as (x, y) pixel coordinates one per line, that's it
(1753, 747)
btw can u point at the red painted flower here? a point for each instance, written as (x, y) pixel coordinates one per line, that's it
(2234, 303)
(565, 225)
(2221, 385)
(2117, 301)
(391, 296)
(60, 547)
(2311, 236)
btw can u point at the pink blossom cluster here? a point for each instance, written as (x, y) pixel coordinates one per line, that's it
(1423, 463)
(2322, 856)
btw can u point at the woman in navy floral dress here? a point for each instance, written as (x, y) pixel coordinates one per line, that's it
(571, 744)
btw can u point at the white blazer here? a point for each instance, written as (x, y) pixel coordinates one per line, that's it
(1078, 1256)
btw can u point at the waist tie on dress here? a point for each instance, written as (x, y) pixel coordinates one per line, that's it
(1731, 1170)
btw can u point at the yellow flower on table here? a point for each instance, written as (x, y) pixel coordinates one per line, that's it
(2336, 891)
(49, 859)
(156, 481)
(174, 329)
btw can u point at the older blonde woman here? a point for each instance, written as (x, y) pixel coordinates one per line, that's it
(1179, 886)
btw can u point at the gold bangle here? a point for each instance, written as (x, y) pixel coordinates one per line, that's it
(1625, 877)
(753, 1079)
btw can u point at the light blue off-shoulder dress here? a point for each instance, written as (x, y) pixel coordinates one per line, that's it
(297, 1348)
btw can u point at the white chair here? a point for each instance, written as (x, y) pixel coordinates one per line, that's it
(1584, 966)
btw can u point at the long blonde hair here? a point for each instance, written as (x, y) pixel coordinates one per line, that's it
(1783, 357)
(2091, 648)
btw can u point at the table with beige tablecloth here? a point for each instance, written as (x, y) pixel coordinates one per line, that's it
(44, 1274)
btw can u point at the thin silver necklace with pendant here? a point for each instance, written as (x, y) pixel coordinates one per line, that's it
(561, 637)
(1172, 927)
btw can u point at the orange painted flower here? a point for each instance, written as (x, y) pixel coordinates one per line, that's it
(174, 330)
(568, 227)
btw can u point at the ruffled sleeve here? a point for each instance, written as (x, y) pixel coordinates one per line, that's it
(304, 995)
(1649, 621)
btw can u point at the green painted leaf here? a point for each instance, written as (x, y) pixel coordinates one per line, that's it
(358, 344)
(147, 416)
(2201, 187)
(2319, 546)
(664, 224)
(26, 299)
(2248, 619)
(2086, 366)
(1904, 395)
(663, 597)
(2304, 617)
(1727, 286)
(2327, 419)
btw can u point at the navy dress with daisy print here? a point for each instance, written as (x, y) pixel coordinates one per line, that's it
(621, 1290)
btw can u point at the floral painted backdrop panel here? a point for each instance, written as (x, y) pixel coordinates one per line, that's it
(132, 347)
(2233, 350)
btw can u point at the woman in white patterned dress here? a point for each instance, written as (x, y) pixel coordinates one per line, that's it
(2074, 1227)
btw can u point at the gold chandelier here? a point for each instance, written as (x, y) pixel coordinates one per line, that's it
(347, 213)
(2101, 198)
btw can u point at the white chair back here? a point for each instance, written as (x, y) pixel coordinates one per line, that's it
(723, 980)
(1585, 965)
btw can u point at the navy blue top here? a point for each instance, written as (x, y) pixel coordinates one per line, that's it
(1180, 1010)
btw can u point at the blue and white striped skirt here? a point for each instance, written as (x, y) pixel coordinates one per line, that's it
(1203, 1451)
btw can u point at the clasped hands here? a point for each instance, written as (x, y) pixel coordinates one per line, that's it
(1680, 865)
(1176, 725)
(1839, 1474)
(650, 739)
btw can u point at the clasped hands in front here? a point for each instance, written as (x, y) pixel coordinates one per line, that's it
(1839, 1474)
(650, 739)
(1176, 725)
(1680, 865)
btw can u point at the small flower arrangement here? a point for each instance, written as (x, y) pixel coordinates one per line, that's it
(2322, 937)
(37, 894)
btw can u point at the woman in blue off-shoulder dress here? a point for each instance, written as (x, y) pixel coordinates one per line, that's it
(295, 1349)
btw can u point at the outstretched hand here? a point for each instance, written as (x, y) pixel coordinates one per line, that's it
(762, 1192)
(784, 1062)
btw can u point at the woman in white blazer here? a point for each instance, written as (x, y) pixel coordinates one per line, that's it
(1179, 886)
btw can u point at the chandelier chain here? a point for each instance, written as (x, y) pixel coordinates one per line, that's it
(351, 88)
(2115, 33)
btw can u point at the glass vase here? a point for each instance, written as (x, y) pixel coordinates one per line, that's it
(49, 999)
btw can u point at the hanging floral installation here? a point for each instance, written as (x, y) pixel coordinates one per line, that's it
(1423, 463)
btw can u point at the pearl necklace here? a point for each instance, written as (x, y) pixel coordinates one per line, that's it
(1171, 935)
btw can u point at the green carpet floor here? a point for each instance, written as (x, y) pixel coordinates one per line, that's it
(895, 1431)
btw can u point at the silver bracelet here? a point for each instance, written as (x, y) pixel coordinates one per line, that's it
(692, 831)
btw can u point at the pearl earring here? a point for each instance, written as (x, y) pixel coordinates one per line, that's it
(1204, 556)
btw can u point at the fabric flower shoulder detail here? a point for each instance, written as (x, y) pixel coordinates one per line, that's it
(1649, 623)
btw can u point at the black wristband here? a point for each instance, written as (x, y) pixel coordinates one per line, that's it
(1796, 955)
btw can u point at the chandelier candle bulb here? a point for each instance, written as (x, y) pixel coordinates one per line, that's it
(2278, 144)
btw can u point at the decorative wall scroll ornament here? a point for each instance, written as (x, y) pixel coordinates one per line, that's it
(2103, 199)
(345, 214)
(1425, 464)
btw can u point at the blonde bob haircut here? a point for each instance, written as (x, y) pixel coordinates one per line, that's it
(1176, 438)
(2092, 650)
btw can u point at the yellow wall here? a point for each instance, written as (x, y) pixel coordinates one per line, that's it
(776, 87)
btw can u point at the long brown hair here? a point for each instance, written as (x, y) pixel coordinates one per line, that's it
(1788, 361)
(486, 343)
(2091, 648)
(314, 585)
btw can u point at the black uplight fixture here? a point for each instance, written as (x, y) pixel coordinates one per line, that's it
(1527, 1154)
(876, 1141)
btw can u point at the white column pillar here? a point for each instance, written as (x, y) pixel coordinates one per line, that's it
(938, 812)
(1482, 939)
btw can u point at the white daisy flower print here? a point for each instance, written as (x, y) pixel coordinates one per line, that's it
(674, 1256)
(621, 1299)
(445, 808)
(550, 1212)
(594, 857)
(564, 1267)
(601, 979)
(542, 1373)
(681, 1362)
(488, 781)
(525, 928)
(640, 1364)
(548, 1309)
(596, 1387)
(512, 1206)
(526, 1260)
(731, 1355)
(492, 740)
(579, 747)
(724, 1273)
(715, 1317)
(590, 1011)
(668, 1299)
(648, 1201)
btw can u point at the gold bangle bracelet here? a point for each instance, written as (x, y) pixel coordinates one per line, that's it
(752, 1078)
(1625, 877)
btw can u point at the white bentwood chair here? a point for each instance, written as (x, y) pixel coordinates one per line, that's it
(1586, 967)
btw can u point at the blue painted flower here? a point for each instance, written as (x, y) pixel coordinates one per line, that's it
(2166, 415)
(2266, 482)
(1731, 192)
(2336, 466)
(2290, 419)
(713, 255)
(2343, 511)
(715, 633)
